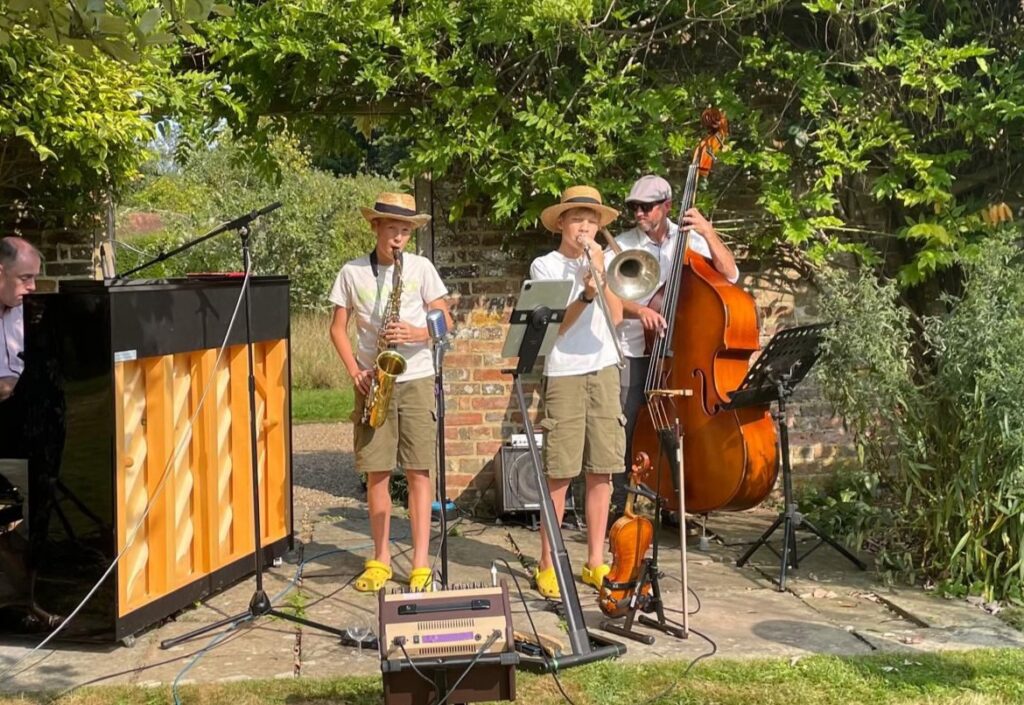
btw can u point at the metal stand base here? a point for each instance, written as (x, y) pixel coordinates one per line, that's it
(791, 519)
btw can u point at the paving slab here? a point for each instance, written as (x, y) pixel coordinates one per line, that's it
(829, 607)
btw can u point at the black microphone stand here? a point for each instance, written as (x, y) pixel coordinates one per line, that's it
(240, 223)
(259, 603)
(441, 345)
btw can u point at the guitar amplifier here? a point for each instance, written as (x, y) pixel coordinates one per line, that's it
(454, 644)
(516, 482)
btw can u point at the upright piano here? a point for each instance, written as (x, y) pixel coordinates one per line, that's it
(139, 424)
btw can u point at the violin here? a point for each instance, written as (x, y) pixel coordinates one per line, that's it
(629, 539)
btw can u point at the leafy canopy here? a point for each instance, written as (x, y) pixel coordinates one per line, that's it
(76, 113)
(877, 127)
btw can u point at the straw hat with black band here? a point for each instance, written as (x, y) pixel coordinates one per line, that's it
(577, 197)
(395, 206)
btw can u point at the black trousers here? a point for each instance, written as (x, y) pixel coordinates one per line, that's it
(13, 425)
(631, 396)
(12, 445)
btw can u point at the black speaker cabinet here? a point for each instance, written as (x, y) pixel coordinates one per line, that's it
(516, 482)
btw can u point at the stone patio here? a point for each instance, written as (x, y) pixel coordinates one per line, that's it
(829, 607)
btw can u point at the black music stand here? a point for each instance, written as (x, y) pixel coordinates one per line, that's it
(785, 361)
(540, 309)
(259, 603)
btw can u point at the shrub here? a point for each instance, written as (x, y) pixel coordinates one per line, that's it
(318, 228)
(938, 417)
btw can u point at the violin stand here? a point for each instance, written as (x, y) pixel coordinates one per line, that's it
(786, 360)
(648, 575)
(527, 336)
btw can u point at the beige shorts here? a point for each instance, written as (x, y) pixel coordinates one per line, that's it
(408, 436)
(586, 429)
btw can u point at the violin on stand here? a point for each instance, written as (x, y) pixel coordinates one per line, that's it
(633, 584)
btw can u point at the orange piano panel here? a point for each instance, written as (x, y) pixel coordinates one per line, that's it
(182, 447)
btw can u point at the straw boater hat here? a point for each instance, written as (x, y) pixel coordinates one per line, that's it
(397, 206)
(577, 197)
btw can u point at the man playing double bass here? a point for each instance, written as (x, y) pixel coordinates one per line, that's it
(650, 201)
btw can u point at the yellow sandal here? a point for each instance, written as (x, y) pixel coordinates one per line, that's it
(594, 576)
(547, 583)
(421, 580)
(373, 577)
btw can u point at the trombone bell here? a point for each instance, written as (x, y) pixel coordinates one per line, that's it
(634, 274)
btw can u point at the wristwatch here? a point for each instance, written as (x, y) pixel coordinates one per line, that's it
(583, 297)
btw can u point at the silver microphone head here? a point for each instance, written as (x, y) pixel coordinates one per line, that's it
(437, 324)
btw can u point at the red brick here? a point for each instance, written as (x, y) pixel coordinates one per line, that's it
(490, 375)
(463, 419)
(488, 447)
(458, 449)
(491, 402)
(476, 345)
(462, 360)
(475, 433)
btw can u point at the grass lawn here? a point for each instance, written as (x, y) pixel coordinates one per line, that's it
(309, 405)
(964, 678)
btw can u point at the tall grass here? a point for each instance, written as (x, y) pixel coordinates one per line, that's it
(315, 362)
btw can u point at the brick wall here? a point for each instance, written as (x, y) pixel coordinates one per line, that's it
(68, 252)
(484, 270)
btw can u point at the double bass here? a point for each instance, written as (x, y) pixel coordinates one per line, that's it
(730, 455)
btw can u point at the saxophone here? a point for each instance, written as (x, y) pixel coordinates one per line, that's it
(389, 364)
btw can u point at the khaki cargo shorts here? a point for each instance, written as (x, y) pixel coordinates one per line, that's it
(408, 436)
(586, 429)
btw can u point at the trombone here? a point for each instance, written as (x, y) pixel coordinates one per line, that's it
(632, 276)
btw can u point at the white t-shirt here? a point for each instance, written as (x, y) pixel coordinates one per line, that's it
(367, 298)
(587, 345)
(12, 341)
(631, 330)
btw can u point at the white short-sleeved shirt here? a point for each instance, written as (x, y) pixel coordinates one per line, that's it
(366, 298)
(631, 330)
(12, 341)
(587, 345)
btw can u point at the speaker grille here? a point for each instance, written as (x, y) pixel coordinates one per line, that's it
(516, 482)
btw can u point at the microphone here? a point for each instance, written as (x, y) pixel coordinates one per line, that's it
(437, 325)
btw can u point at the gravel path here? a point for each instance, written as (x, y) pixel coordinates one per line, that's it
(324, 467)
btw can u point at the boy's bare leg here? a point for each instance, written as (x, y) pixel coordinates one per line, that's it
(599, 494)
(558, 489)
(378, 497)
(421, 494)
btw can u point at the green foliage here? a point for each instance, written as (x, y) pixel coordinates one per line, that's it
(121, 30)
(318, 228)
(941, 425)
(853, 122)
(74, 126)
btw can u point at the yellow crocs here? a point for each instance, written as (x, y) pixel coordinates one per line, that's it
(421, 580)
(373, 577)
(595, 576)
(547, 583)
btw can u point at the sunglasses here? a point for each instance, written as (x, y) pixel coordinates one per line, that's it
(644, 207)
